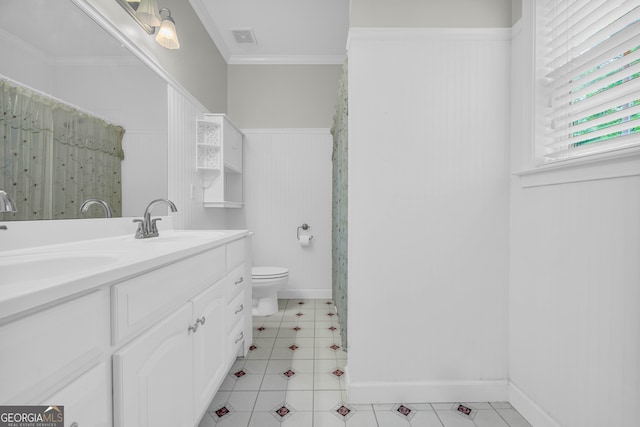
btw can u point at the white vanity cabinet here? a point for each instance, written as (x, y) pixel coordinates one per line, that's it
(168, 375)
(219, 161)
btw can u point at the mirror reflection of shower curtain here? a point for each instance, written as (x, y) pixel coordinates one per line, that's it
(340, 206)
(54, 156)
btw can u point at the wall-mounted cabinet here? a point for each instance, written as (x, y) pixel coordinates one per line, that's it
(219, 161)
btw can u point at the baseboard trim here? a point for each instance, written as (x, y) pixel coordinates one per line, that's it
(536, 416)
(304, 294)
(425, 391)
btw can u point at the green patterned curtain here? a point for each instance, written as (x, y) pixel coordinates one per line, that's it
(54, 156)
(340, 204)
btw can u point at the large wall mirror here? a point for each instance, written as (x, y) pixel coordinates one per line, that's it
(55, 48)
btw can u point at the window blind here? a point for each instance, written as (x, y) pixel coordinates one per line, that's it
(589, 64)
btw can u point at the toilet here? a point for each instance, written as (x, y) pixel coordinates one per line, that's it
(265, 283)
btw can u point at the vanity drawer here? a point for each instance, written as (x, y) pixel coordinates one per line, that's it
(236, 339)
(144, 300)
(43, 349)
(235, 254)
(236, 282)
(236, 310)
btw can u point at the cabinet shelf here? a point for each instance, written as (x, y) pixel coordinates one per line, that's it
(219, 150)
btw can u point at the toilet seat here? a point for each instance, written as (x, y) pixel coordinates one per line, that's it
(268, 273)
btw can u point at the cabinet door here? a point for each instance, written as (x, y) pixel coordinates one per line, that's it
(85, 400)
(209, 348)
(153, 376)
(232, 148)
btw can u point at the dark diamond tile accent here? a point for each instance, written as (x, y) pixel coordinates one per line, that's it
(403, 411)
(331, 314)
(222, 412)
(465, 411)
(289, 373)
(283, 411)
(253, 347)
(293, 347)
(334, 347)
(261, 328)
(328, 303)
(332, 328)
(338, 373)
(300, 302)
(343, 410)
(299, 314)
(239, 374)
(297, 328)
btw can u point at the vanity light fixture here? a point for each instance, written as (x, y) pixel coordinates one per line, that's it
(167, 36)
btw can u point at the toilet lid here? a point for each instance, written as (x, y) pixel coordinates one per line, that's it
(268, 272)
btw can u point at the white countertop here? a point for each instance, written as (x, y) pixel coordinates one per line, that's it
(38, 275)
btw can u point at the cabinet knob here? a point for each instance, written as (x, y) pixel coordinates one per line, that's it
(201, 320)
(193, 328)
(239, 309)
(239, 338)
(240, 280)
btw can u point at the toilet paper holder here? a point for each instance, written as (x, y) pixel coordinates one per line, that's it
(303, 227)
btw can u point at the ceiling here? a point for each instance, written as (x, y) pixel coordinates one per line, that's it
(286, 31)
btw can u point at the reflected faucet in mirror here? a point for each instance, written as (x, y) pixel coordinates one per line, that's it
(87, 203)
(147, 227)
(6, 205)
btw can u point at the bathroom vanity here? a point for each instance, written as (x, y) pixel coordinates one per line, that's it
(121, 331)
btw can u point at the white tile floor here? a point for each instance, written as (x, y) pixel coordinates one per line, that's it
(294, 377)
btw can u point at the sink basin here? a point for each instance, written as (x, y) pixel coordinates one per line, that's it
(27, 268)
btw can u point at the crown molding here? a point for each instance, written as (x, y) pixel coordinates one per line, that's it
(203, 15)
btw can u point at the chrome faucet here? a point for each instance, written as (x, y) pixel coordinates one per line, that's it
(6, 205)
(89, 202)
(146, 226)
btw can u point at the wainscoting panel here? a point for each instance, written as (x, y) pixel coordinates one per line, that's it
(287, 182)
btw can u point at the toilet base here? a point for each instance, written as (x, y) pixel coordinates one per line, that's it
(265, 306)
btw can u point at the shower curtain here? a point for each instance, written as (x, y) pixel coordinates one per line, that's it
(339, 206)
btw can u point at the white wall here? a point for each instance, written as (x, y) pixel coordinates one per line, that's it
(574, 322)
(428, 214)
(287, 182)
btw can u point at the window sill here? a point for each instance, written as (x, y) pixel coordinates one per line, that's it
(605, 166)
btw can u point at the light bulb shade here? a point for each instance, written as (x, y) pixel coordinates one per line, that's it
(167, 35)
(148, 13)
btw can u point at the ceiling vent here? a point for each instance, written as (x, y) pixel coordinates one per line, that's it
(244, 36)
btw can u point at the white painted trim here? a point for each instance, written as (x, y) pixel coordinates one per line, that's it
(289, 130)
(420, 34)
(614, 164)
(215, 35)
(535, 415)
(304, 294)
(517, 28)
(287, 59)
(425, 391)
(143, 56)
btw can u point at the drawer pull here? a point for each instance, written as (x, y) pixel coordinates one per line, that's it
(194, 328)
(239, 338)
(201, 320)
(240, 280)
(239, 309)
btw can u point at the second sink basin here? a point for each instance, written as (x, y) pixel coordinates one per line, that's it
(49, 266)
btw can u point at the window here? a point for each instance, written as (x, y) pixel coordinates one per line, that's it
(588, 74)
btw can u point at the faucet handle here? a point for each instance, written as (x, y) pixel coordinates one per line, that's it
(154, 227)
(140, 230)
